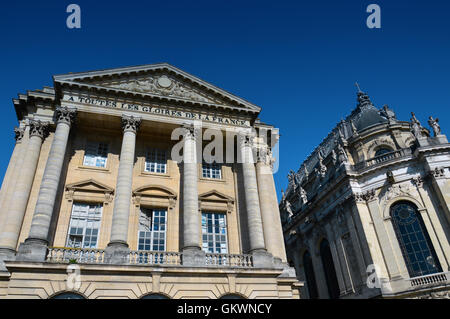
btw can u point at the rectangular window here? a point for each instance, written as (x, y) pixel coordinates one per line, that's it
(84, 225)
(96, 154)
(156, 161)
(152, 230)
(214, 233)
(212, 170)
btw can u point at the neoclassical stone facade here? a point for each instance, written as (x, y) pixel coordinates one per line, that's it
(93, 190)
(367, 213)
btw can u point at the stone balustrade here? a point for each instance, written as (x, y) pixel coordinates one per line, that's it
(384, 158)
(438, 278)
(143, 257)
(229, 260)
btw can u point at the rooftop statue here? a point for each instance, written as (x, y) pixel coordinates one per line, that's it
(415, 126)
(434, 125)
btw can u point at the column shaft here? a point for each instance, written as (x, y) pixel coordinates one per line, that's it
(19, 200)
(273, 233)
(255, 228)
(43, 212)
(119, 231)
(191, 218)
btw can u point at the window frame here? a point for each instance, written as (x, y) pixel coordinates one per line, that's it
(98, 156)
(72, 224)
(154, 160)
(209, 167)
(214, 234)
(152, 231)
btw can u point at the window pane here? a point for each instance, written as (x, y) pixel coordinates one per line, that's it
(214, 233)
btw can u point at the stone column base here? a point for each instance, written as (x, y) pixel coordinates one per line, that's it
(32, 250)
(117, 253)
(262, 259)
(194, 258)
(6, 254)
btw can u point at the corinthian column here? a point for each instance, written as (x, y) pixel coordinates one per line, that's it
(255, 228)
(19, 198)
(40, 224)
(118, 245)
(273, 233)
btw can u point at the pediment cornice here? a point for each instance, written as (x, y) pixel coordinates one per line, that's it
(160, 82)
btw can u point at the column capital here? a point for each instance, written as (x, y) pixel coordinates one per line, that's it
(18, 134)
(63, 114)
(39, 128)
(190, 131)
(130, 123)
(246, 139)
(265, 156)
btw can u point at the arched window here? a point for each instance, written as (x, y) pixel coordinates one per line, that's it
(155, 296)
(415, 243)
(328, 267)
(67, 295)
(231, 296)
(310, 277)
(382, 151)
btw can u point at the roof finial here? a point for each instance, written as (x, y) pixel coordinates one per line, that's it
(359, 89)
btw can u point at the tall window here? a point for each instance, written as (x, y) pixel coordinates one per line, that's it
(415, 243)
(328, 267)
(310, 277)
(211, 170)
(152, 229)
(96, 154)
(84, 225)
(156, 161)
(214, 233)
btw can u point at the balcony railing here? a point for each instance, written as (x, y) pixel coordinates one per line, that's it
(244, 261)
(143, 257)
(82, 256)
(382, 158)
(439, 278)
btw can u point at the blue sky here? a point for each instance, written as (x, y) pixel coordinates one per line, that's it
(298, 60)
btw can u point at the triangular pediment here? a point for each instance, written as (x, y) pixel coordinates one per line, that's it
(90, 185)
(155, 191)
(215, 196)
(161, 81)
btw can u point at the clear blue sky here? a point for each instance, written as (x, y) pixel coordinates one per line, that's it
(298, 60)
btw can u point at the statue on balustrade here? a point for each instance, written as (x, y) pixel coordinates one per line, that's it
(434, 125)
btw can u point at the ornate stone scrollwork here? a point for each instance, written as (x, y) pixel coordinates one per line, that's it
(18, 133)
(357, 197)
(246, 139)
(418, 181)
(130, 123)
(39, 128)
(437, 172)
(265, 156)
(190, 131)
(65, 115)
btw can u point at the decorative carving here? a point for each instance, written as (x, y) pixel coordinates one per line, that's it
(434, 125)
(303, 195)
(165, 86)
(434, 295)
(354, 130)
(398, 190)
(130, 123)
(343, 158)
(390, 177)
(418, 181)
(246, 139)
(65, 115)
(369, 195)
(265, 156)
(190, 132)
(333, 156)
(357, 197)
(387, 113)
(18, 134)
(38, 128)
(437, 172)
(415, 126)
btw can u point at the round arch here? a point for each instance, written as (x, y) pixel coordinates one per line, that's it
(155, 296)
(67, 295)
(232, 296)
(387, 208)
